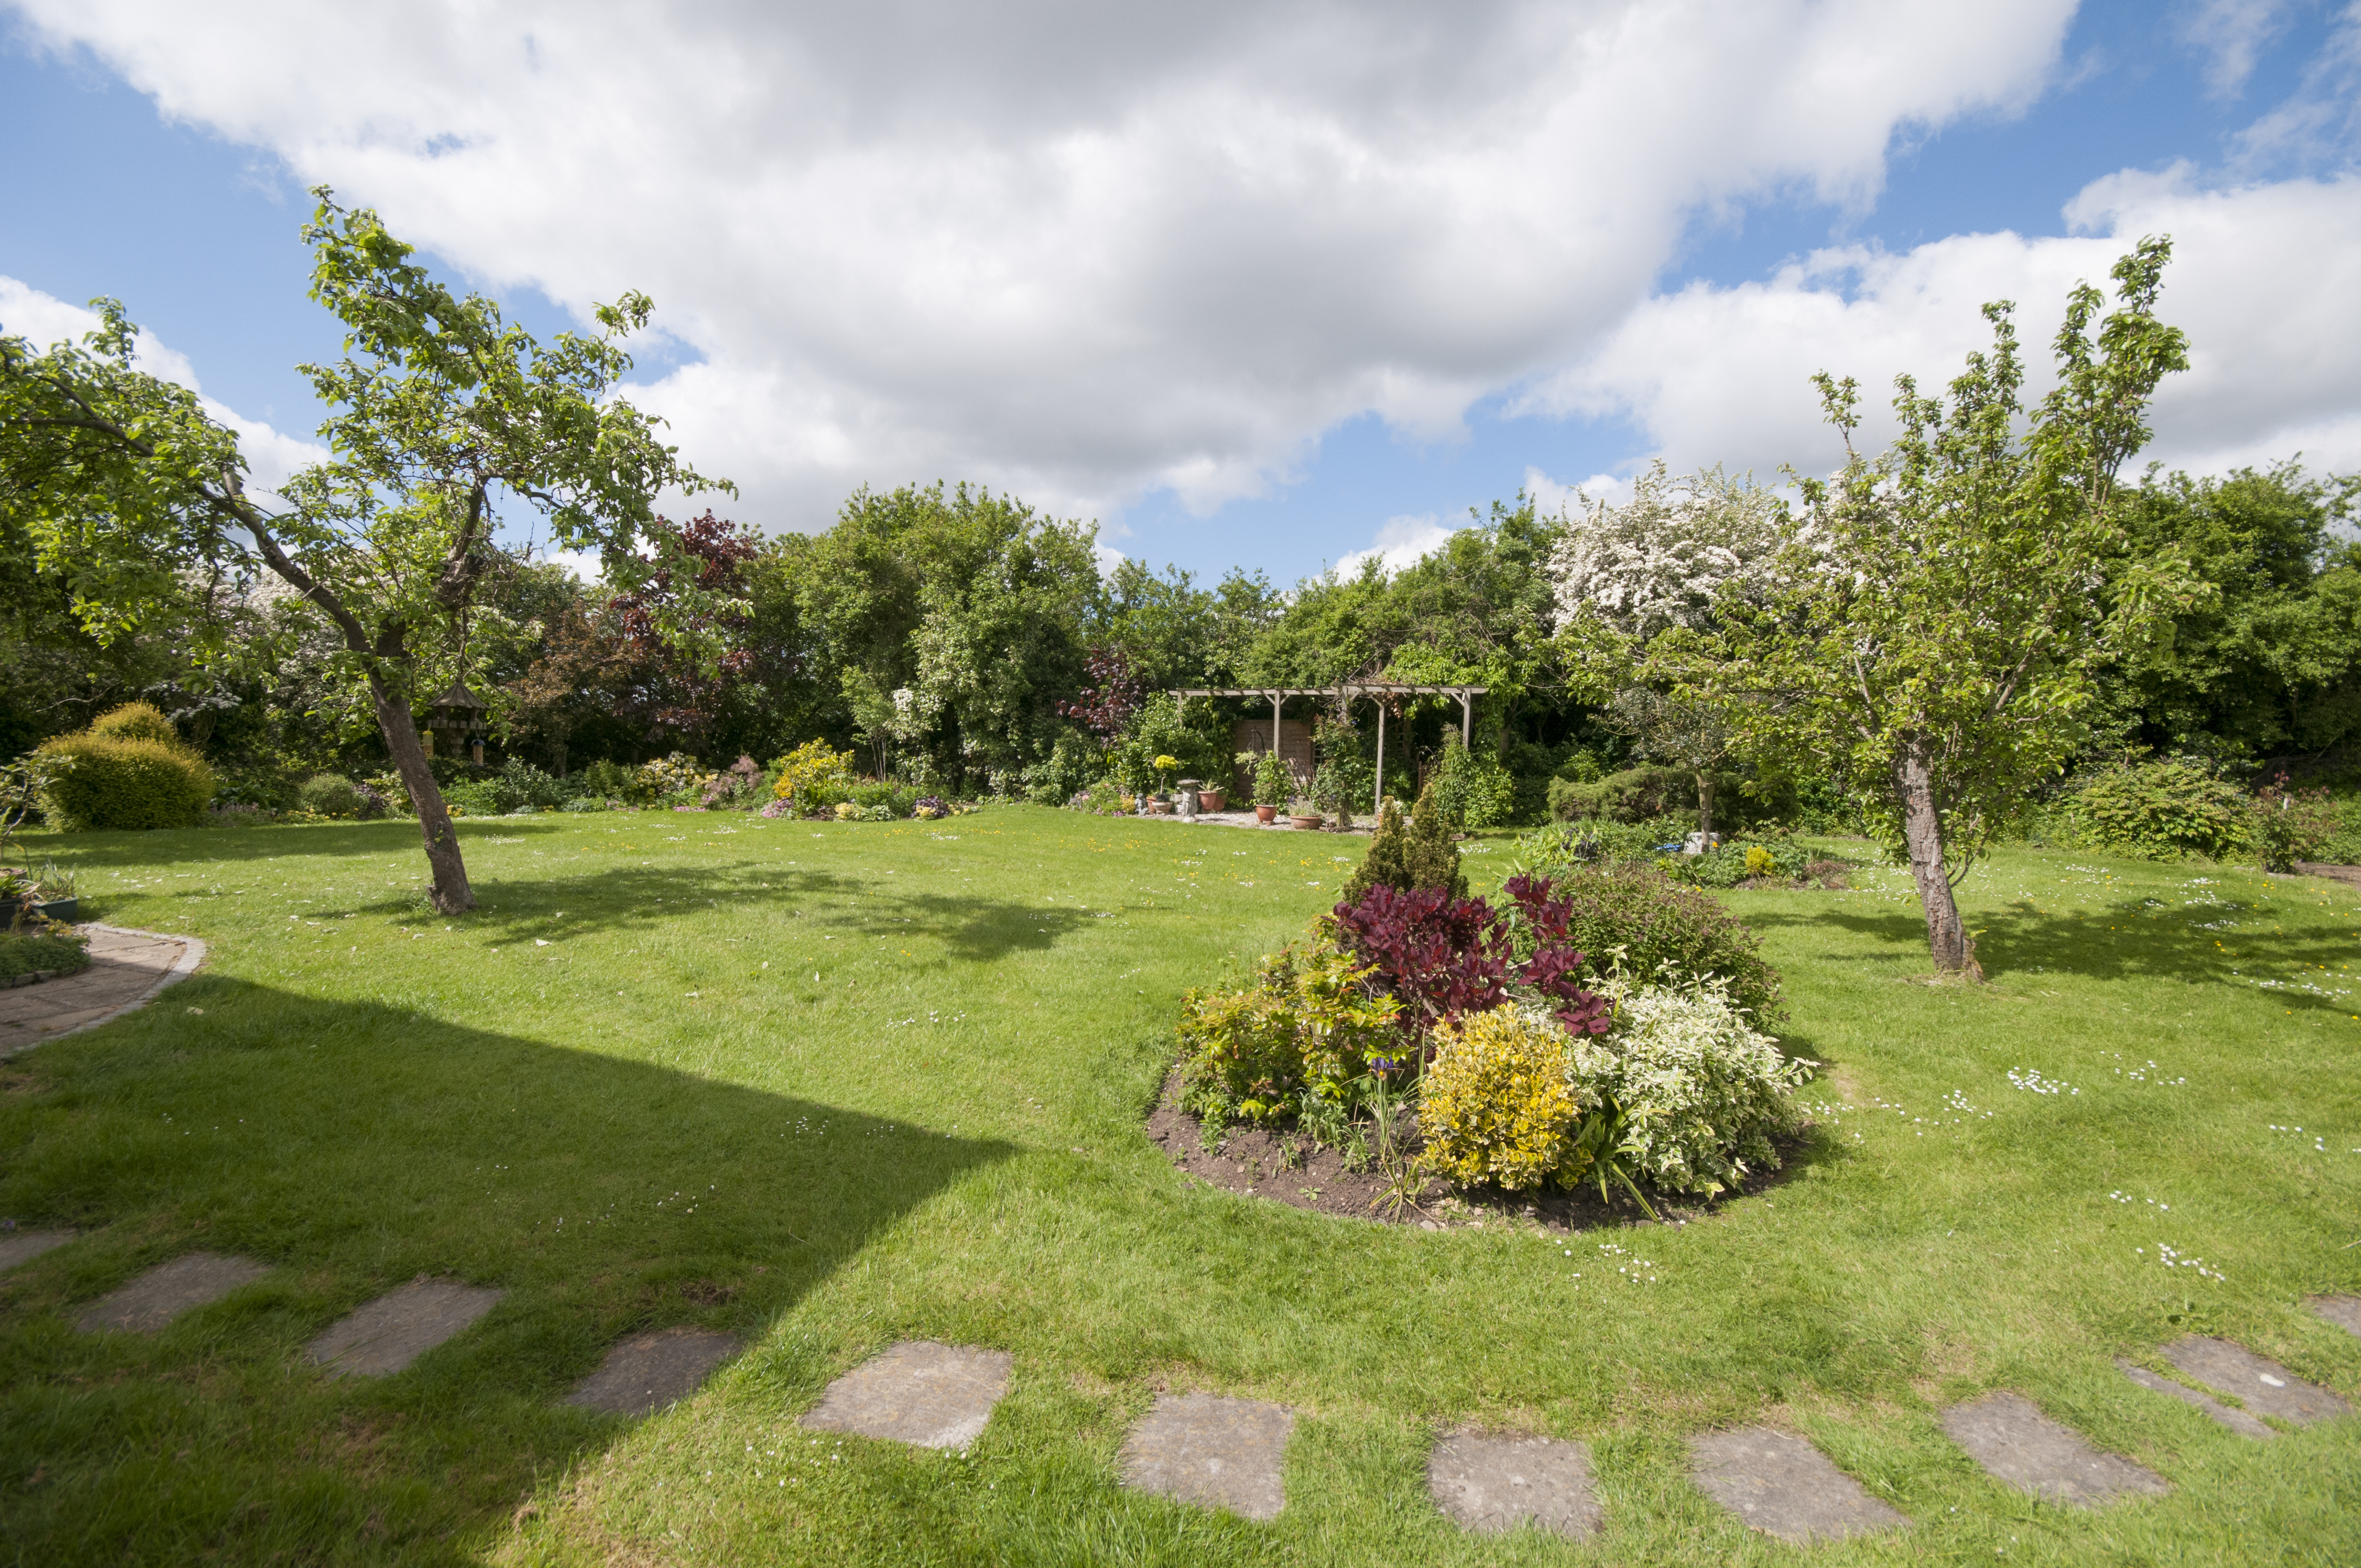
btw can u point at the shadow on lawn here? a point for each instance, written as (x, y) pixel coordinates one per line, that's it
(352, 1148)
(2128, 939)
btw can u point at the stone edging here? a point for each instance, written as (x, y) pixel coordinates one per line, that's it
(192, 953)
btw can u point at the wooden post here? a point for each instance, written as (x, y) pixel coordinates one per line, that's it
(1466, 719)
(1378, 807)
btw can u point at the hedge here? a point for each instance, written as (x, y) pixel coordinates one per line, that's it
(127, 777)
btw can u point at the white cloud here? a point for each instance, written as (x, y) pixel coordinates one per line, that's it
(584, 565)
(2265, 280)
(43, 320)
(1076, 250)
(2230, 33)
(1552, 497)
(1402, 541)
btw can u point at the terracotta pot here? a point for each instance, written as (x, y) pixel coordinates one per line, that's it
(1212, 799)
(1159, 809)
(1266, 813)
(1306, 824)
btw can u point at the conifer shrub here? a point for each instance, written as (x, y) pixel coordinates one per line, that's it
(122, 773)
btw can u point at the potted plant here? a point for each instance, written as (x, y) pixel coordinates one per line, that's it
(1213, 798)
(55, 897)
(1303, 813)
(1273, 786)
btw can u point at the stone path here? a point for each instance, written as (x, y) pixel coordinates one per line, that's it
(2263, 1386)
(2237, 1420)
(1783, 1487)
(647, 1372)
(1492, 1484)
(2344, 1311)
(383, 1336)
(127, 970)
(1202, 1448)
(917, 1392)
(23, 1247)
(167, 1290)
(2014, 1443)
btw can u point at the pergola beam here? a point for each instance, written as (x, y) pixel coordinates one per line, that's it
(1347, 691)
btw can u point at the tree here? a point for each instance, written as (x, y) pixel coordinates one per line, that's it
(441, 414)
(1665, 558)
(1942, 614)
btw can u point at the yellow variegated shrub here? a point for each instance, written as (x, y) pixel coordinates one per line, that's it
(1497, 1103)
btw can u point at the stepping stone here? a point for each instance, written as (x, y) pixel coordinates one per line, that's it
(647, 1372)
(2263, 1386)
(168, 1289)
(23, 1247)
(2236, 1420)
(2008, 1435)
(383, 1336)
(1490, 1484)
(917, 1392)
(1783, 1487)
(1200, 1448)
(2344, 1311)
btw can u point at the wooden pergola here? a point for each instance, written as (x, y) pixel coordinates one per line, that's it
(1348, 691)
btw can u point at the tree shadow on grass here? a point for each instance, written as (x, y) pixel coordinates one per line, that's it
(352, 1148)
(2130, 939)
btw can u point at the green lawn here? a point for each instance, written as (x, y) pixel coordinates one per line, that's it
(834, 1086)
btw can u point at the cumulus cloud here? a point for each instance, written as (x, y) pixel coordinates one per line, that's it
(1402, 541)
(1076, 250)
(2265, 280)
(44, 320)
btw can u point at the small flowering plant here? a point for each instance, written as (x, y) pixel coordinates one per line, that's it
(1163, 765)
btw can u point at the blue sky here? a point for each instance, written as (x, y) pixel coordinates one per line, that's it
(191, 219)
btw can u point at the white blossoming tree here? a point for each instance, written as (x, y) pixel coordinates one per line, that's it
(1664, 559)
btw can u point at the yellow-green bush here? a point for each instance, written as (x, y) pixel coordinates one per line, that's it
(1497, 1104)
(808, 769)
(1298, 1039)
(113, 780)
(136, 722)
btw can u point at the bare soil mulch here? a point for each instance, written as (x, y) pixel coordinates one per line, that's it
(1285, 1168)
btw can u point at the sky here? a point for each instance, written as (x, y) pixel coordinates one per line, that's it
(1272, 285)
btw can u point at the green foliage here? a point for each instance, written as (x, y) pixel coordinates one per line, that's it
(1433, 859)
(330, 795)
(102, 781)
(1387, 861)
(522, 786)
(1740, 860)
(2164, 810)
(585, 803)
(59, 951)
(1703, 1092)
(607, 780)
(475, 797)
(136, 722)
(1192, 734)
(1472, 791)
(1273, 784)
(1661, 930)
(1497, 1103)
(1300, 1035)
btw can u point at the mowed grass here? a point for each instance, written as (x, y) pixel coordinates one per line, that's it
(830, 1087)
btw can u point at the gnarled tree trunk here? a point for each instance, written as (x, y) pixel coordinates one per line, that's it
(450, 893)
(1922, 833)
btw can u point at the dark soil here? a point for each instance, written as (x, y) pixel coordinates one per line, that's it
(1285, 1168)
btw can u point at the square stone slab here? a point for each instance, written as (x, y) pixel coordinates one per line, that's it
(2263, 1386)
(2237, 1421)
(2344, 1311)
(2008, 1435)
(1200, 1448)
(1491, 1484)
(383, 1336)
(23, 1247)
(647, 1372)
(168, 1289)
(1783, 1487)
(917, 1392)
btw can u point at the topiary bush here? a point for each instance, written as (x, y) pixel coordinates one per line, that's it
(127, 777)
(1661, 928)
(330, 795)
(2163, 810)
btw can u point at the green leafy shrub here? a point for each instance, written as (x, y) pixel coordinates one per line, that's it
(521, 786)
(812, 769)
(873, 796)
(474, 797)
(1738, 860)
(607, 780)
(2163, 810)
(1274, 785)
(2293, 825)
(126, 781)
(1472, 791)
(1421, 855)
(585, 803)
(1665, 932)
(330, 795)
(1702, 1092)
(59, 951)
(1561, 846)
(136, 722)
(1301, 1036)
(1645, 794)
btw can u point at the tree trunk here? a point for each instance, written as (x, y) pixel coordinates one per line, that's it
(1705, 807)
(450, 893)
(1921, 832)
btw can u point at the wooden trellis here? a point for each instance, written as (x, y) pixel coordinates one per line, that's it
(1346, 693)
